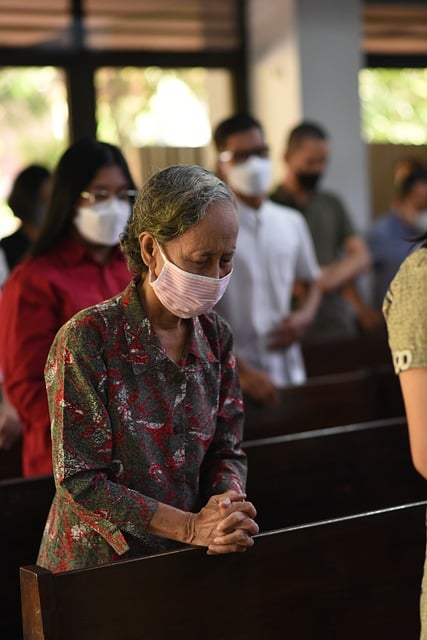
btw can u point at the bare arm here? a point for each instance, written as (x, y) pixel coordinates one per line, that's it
(413, 383)
(355, 261)
(369, 318)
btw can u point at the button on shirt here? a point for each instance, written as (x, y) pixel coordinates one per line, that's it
(274, 248)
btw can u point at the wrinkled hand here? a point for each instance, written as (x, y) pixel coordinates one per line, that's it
(258, 385)
(10, 426)
(224, 525)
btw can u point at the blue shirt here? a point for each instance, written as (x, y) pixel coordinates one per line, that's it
(390, 241)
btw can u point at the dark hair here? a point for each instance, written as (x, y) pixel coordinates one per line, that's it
(170, 202)
(304, 130)
(418, 174)
(235, 124)
(74, 172)
(23, 198)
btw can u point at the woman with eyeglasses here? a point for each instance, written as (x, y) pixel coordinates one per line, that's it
(75, 263)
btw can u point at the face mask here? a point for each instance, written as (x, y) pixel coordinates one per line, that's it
(252, 177)
(103, 223)
(308, 180)
(187, 294)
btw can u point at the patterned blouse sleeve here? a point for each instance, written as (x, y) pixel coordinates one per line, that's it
(82, 439)
(225, 466)
(405, 312)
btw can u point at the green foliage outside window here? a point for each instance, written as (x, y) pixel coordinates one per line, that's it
(394, 105)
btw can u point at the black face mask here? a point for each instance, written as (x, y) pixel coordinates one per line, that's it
(308, 180)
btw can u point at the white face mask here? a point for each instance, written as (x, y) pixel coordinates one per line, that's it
(103, 223)
(187, 294)
(252, 177)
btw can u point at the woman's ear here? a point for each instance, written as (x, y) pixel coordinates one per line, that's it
(147, 247)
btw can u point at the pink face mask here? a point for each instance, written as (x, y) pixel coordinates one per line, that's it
(187, 294)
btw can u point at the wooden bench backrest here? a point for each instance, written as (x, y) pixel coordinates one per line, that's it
(361, 352)
(327, 401)
(353, 578)
(332, 472)
(293, 479)
(11, 462)
(24, 505)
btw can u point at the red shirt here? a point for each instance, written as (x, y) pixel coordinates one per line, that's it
(40, 295)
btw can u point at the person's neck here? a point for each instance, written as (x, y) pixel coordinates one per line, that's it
(254, 202)
(99, 252)
(292, 186)
(160, 318)
(30, 230)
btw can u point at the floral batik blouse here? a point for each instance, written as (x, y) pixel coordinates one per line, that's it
(130, 427)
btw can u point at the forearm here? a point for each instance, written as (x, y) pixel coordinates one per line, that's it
(171, 523)
(340, 272)
(309, 303)
(414, 383)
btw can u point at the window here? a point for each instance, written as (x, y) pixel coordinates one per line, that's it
(33, 125)
(161, 116)
(394, 105)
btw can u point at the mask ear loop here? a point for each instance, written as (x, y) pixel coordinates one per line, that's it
(166, 263)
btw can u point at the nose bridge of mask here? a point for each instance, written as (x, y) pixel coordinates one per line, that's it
(251, 177)
(112, 204)
(103, 222)
(195, 277)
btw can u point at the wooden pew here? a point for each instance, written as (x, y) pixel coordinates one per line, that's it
(24, 505)
(292, 479)
(356, 577)
(362, 352)
(327, 401)
(333, 472)
(10, 462)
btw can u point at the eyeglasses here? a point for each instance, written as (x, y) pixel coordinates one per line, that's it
(241, 156)
(100, 195)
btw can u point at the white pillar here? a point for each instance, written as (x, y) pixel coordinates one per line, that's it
(305, 56)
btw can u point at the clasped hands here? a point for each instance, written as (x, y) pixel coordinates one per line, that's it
(225, 525)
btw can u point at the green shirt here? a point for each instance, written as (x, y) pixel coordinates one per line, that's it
(330, 226)
(405, 312)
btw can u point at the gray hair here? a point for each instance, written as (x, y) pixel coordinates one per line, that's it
(170, 202)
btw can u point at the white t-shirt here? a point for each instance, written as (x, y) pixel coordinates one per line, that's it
(274, 248)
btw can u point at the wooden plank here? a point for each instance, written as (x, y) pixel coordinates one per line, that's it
(366, 351)
(357, 577)
(24, 505)
(11, 462)
(327, 401)
(332, 472)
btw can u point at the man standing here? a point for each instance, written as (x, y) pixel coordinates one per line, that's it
(274, 249)
(341, 252)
